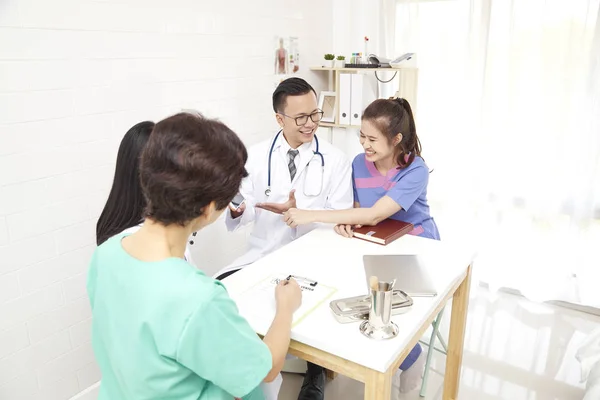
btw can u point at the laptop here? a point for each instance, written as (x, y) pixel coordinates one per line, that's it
(411, 277)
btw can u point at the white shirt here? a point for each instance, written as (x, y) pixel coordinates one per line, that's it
(270, 232)
(187, 254)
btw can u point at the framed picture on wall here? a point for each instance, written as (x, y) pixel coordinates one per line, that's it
(327, 104)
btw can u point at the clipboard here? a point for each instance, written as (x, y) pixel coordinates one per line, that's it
(259, 299)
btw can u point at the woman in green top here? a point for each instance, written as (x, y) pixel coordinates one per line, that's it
(162, 329)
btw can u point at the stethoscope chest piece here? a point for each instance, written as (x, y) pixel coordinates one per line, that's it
(268, 192)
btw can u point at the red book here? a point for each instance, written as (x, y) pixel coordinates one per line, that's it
(384, 232)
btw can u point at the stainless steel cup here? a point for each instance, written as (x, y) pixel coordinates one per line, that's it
(379, 325)
(381, 306)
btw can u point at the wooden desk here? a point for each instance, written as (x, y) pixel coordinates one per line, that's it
(324, 256)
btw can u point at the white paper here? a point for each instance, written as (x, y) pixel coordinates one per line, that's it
(259, 300)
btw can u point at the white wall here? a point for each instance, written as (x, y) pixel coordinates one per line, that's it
(354, 20)
(74, 76)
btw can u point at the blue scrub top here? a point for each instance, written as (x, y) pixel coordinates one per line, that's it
(407, 187)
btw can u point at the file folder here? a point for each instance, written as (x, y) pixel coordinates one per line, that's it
(356, 99)
(344, 101)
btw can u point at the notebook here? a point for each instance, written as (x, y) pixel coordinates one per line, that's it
(384, 232)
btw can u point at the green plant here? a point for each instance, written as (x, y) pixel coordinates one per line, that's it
(329, 57)
(341, 58)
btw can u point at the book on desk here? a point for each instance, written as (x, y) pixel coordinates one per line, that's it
(384, 232)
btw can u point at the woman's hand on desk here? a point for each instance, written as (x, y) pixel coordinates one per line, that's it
(345, 230)
(288, 296)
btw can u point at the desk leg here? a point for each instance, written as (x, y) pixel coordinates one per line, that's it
(378, 386)
(331, 375)
(458, 323)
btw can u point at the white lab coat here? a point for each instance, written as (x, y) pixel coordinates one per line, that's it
(270, 232)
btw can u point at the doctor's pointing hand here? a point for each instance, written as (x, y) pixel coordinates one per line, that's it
(279, 208)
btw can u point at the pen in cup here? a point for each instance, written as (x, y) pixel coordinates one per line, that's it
(374, 283)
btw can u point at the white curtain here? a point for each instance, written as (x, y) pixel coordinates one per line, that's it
(509, 118)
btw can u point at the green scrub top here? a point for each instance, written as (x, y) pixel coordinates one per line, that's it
(165, 330)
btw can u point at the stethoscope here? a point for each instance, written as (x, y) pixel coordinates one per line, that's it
(315, 153)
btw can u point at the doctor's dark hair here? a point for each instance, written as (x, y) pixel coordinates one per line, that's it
(189, 162)
(125, 205)
(290, 87)
(391, 117)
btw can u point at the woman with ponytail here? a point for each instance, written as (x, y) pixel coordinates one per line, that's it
(390, 178)
(390, 181)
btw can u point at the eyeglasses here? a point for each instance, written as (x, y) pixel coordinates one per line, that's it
(303, 119)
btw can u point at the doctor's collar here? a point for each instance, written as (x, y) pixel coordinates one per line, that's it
(282, 142)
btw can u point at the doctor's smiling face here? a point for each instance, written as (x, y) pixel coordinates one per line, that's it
(297, 112)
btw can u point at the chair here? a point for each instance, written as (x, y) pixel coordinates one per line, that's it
(435, 334)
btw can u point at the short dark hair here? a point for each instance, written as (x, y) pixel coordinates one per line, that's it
(290, 87)
(125, 205)
(189, 162)
(391, 117)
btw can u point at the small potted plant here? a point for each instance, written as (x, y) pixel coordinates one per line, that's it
(329, 59)
(340, 62)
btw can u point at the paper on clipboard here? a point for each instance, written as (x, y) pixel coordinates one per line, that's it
(259, 300)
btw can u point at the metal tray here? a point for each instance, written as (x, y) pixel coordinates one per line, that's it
(355, 309)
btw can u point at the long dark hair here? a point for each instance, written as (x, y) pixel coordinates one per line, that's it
(125, 205)
(391, 117)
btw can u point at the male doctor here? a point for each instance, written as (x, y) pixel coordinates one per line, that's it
(292, 169)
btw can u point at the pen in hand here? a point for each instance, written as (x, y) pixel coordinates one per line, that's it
(288, 295)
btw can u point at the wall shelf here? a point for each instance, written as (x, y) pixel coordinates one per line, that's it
(360, 69)
(331, 125)
(407, 78)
